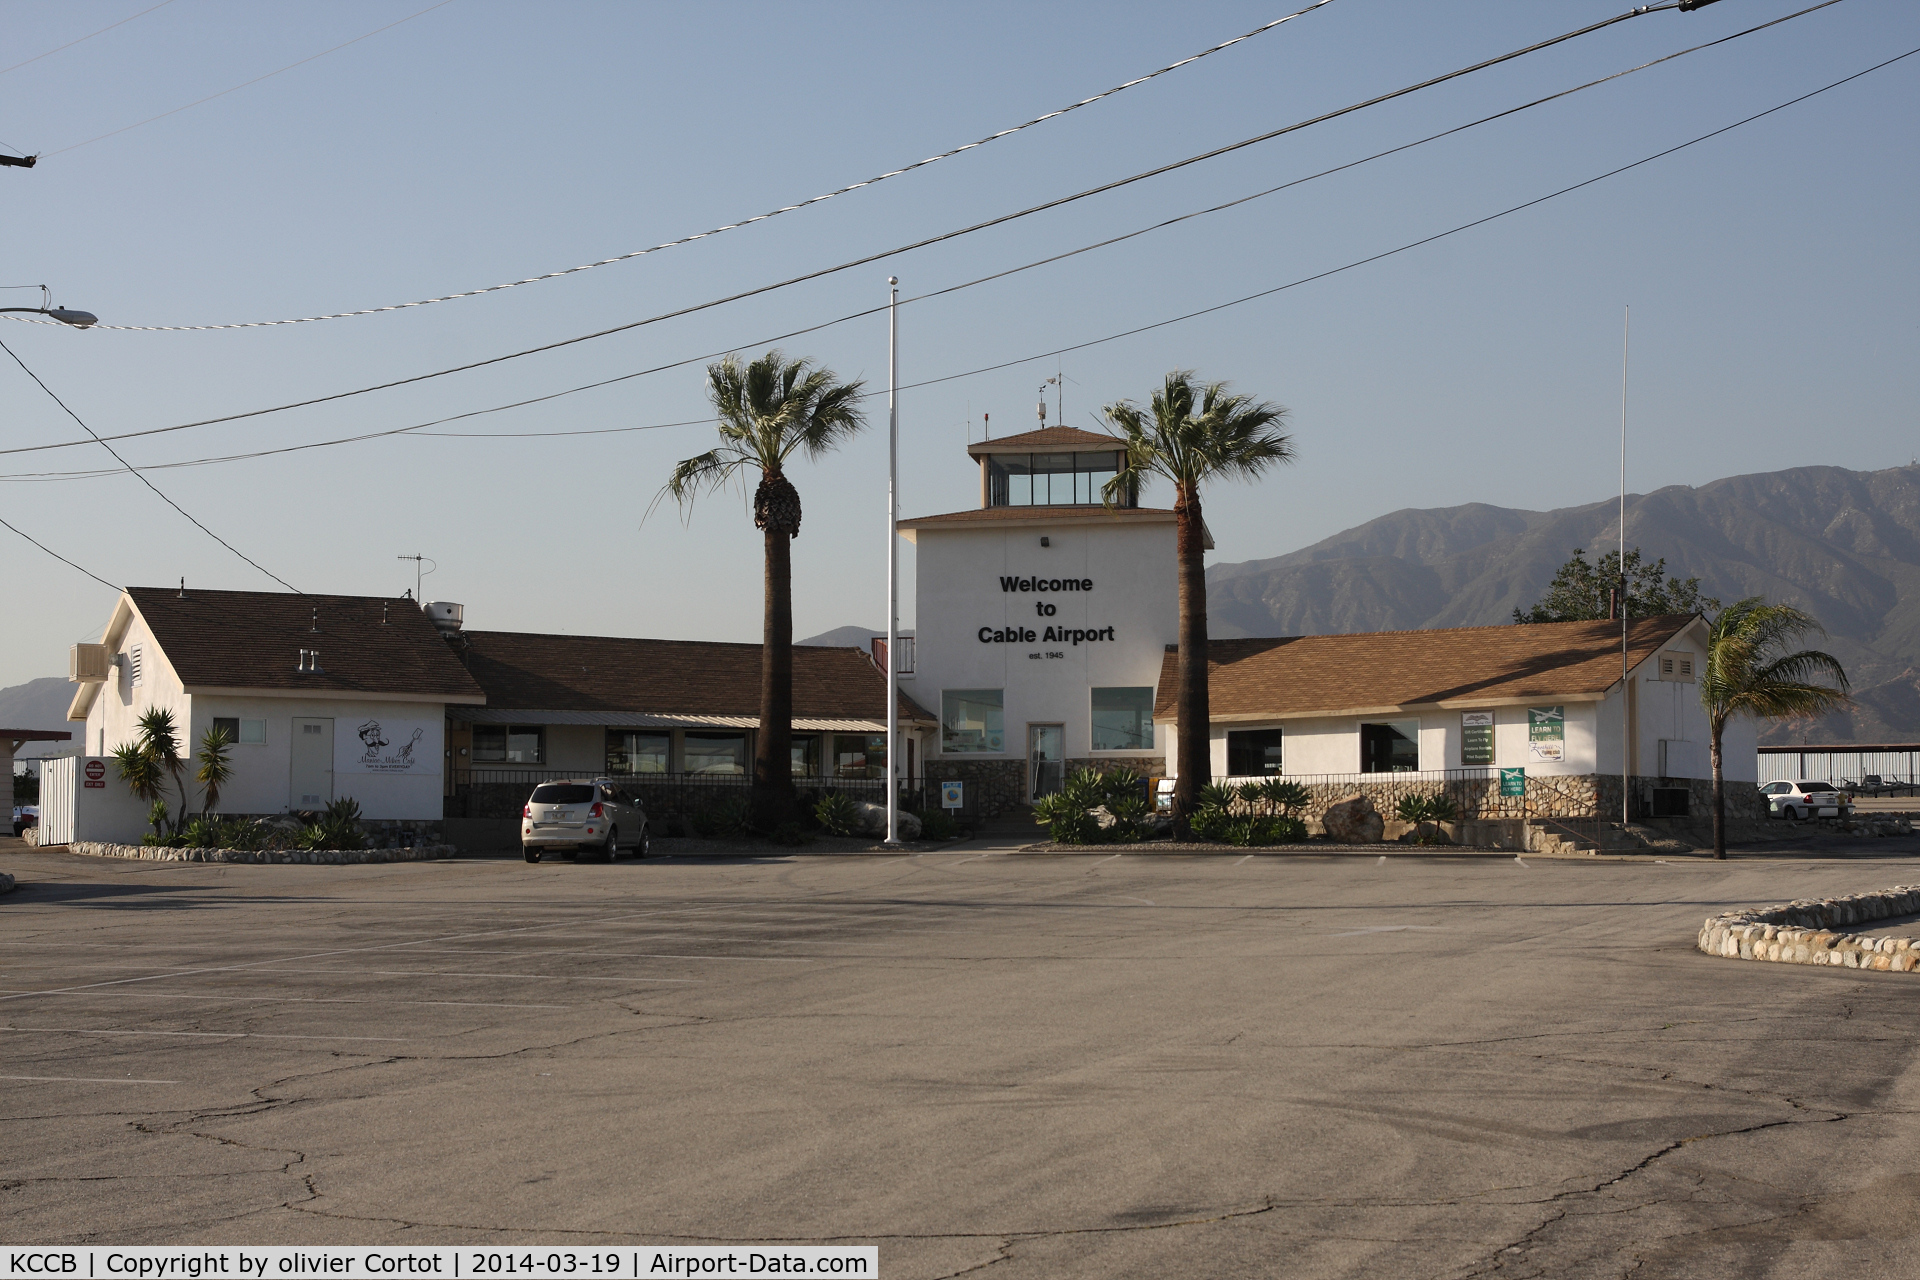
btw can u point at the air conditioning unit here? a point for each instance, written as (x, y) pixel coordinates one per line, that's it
(89, 664)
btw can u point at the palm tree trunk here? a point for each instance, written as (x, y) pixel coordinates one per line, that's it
(772, 753)
(1719, 799)
(1194, 753)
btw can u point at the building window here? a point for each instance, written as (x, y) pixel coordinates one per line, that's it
(251, 732)
(715, 753)
(804, 752)
(1393, 747)
(1123, 719)
(1253, 753)
(858, 755)
(972, 720)
(510, 744)
(1050, 479)
(629, 752)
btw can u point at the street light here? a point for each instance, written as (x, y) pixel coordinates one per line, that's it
(78, 319)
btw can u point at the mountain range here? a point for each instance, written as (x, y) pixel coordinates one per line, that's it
(1843, 545)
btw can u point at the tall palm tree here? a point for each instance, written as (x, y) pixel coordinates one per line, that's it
(1191, 434)
(770, 409)
(1743, 677)
(149, 760)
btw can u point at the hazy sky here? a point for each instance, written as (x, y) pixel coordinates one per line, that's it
(1771, 273)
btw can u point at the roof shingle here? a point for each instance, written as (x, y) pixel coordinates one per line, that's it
(1046, 440)
(1307, 675)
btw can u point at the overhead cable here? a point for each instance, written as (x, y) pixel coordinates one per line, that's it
(49, 550)
(113, 133)
(82, 40)
(855, 315)
(731, 226)
(1005, 364)
(142, 479)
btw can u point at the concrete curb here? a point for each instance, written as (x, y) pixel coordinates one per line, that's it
(1808, 932)
(305, 857)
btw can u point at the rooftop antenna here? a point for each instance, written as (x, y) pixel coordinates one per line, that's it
(316, 620)
(1043, 404)
(183, 589)
(986, 426)
(418, 573)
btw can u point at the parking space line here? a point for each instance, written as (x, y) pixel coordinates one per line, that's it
(88, 1080)
(182, 995)
(209, 1035)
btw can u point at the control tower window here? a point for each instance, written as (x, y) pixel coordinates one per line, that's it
(1051, 479)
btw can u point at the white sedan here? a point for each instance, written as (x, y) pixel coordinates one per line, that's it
(1807, 799)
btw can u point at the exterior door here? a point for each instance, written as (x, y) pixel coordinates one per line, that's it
(312, 751)
(1046, 759)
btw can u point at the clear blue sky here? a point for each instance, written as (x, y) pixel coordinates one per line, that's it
(1771, 272)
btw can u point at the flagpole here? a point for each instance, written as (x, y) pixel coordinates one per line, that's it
(893, 560)
(1626, 692)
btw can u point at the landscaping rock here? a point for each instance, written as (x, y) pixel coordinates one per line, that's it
(873, 822)
(6, 882)
(1353, 820)
(1804, 932)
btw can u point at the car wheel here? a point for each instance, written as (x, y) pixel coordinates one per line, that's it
(611, 850)
(530, 853)
(1793, 814)
(646, 843)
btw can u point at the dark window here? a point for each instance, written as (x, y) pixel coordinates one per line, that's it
(715, 753)
(1816, 786)
(228, 726)
(860, 755)
(1253, 753)
(1051, 479)
(1390, 748)
(804, 750)
(1123, 719)
(629, 752)
(562, 793)
(510, 744)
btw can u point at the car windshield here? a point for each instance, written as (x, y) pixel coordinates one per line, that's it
(562, 793)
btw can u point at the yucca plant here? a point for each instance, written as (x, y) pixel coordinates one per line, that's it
(216, 769)
(837, 814)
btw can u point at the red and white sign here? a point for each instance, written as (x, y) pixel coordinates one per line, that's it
(96, 773)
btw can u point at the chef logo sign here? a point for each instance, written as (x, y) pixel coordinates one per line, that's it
(386, 746)
(1547, 734)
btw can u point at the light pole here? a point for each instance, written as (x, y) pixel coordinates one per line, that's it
(78, 319)
(893, 560)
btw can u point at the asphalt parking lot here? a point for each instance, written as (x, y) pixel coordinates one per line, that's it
(1011, 1066)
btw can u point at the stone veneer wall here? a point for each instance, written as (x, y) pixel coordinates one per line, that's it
(1808, 931)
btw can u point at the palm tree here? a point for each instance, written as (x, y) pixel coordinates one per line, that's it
(216, 770)
(1743, 678)
(1188, 435)
(770, 409)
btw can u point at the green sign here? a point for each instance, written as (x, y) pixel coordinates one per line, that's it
(1513, 782)
(1547, 734)
(1476, 737)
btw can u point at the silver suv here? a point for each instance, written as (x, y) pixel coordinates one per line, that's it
(1807, 799)
(597, 816)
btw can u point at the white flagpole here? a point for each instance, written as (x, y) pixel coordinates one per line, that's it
(893, 561)
(1626, 718)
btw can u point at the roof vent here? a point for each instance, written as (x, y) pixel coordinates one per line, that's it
(310, 663)
(445, 616)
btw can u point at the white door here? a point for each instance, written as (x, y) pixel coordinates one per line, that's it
(312, 752)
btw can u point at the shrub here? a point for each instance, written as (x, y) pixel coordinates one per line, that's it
(337, 828)
(1283, 797)
(1428, 808)
(1131, 817)
(1067, 816)
(936, 824)
(728, 816)
(837, 814)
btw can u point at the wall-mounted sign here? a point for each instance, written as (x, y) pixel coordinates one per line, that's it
(1476, 737)
(379, 745)
(952, 795)
(1513, 782)
(96, 772)
(1547, 734)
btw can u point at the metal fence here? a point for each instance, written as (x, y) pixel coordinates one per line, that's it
(1895, 764)
(500, 793)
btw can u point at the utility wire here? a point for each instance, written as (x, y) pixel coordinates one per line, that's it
(143, 480)
(419, 428)
(114, 133)
(59, 475)
(49, 550)
(731, 226)
(82, 40)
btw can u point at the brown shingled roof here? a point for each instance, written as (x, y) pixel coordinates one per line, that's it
(1046, 440)
(670, 677)
(1329, 675)
(252, 640)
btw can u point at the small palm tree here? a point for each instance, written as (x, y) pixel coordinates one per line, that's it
(770, 409)
(149, 760)
(215, 771)
(1191, 434)
(1744, 677)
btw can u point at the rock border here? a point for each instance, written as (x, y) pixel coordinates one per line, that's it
(6, 882)
(1808, 931)
(304, 857)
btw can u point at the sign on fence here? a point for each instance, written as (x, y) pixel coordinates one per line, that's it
(1513, 782)
(952, 795)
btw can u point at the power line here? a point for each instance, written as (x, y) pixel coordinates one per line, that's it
(50, 476)
(256, 80)
(43, 546)
(731, 226)
(82, 40)
(874, 310)
(142, 479)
